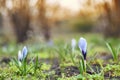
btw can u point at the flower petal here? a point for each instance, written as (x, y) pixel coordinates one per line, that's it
(83, 45)
(24, 52)
(20, 56)
(73, 43)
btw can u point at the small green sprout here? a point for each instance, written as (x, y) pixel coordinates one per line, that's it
(37, 65)
(114, 51)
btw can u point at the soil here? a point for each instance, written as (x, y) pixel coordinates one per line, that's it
(5, 60)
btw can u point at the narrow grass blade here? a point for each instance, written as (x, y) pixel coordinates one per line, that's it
(112, 50)
(17, 64)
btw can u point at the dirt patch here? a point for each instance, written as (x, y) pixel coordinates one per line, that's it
(5, 60)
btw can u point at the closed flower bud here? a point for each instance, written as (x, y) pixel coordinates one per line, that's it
(83, 46)
(24, 52)
(73, 44)
(20, 56)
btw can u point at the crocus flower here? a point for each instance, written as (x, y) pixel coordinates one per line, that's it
(22, 55)
(24, 52)
(73, 44)
(50, 43)
(83, 46)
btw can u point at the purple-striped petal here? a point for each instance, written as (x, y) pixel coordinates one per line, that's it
(24, 51)
(83, 45)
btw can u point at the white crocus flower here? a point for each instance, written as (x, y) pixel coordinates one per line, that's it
(83, 46)
(73, 44)
(20, 56)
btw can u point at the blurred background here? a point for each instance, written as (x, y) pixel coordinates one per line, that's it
(34, 20)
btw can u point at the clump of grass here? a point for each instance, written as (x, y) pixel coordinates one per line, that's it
(82, 66)
(114, 51)
(22, 65)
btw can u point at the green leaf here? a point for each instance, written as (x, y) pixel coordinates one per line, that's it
(81, 67)
(112, 50)
(36, 65)
(83, 64)
(29, 69)
(118, 49)
(90, 67)
(17, 64)
(24, 65)
(72, 58)
(80, 77)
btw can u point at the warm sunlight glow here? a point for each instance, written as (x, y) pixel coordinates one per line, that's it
(9, 4)
(33, 2)
(76, 5)
(73, 5)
